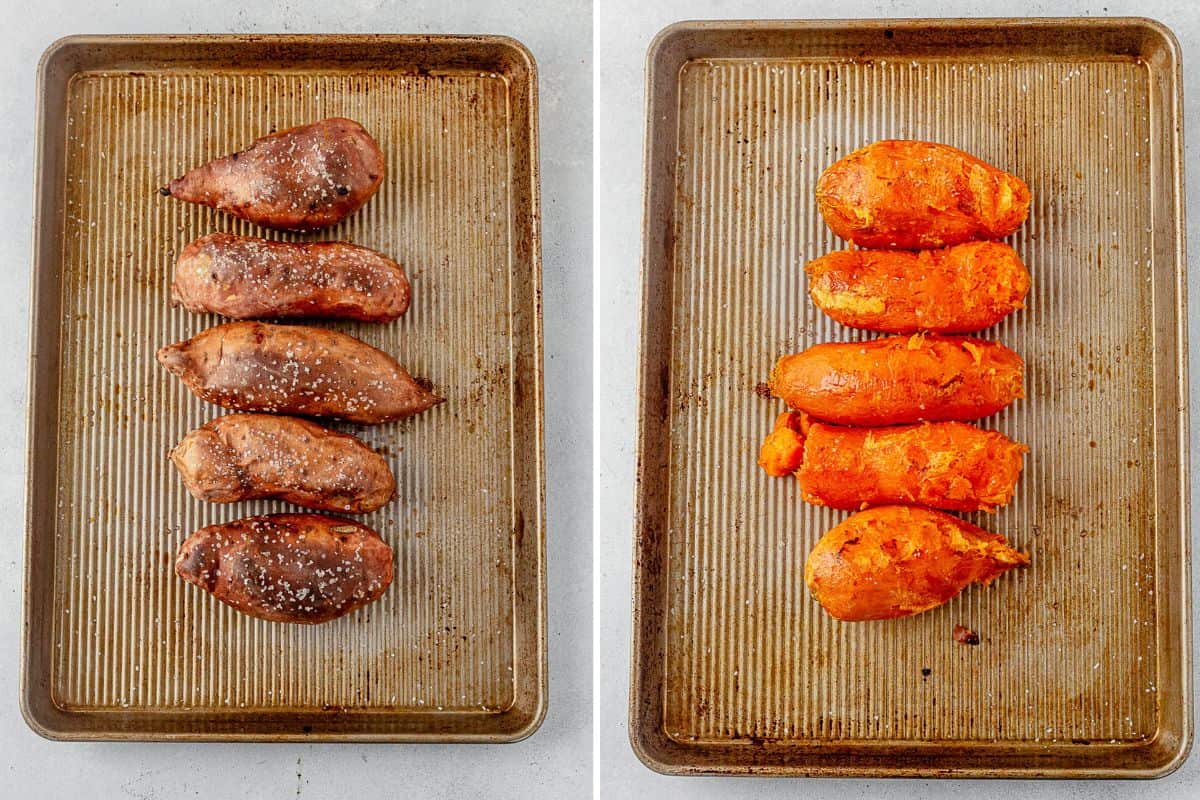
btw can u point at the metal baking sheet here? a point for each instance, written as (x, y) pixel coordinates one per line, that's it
(1083, 667)
(116, 646)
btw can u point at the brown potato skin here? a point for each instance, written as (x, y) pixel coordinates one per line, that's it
(900, 379)
(895, 561)
(914, 195)
(298, 568)
(295, 369)
(247, 278)
(254, 456)
(957, 289)
(303, 178)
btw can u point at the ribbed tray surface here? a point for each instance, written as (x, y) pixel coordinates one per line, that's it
(1068, 648)
(130, 633)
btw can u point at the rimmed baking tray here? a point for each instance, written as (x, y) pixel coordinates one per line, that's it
(1084, 664)
(117, 647)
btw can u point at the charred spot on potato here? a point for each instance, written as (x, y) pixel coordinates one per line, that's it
(964, 635)
(164, 191)
(343, 190)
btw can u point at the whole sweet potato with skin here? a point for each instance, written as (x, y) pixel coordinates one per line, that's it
(293, 369)
(900, 379)
(895, 561)
(947, 465)
(956, 289)
(253, 456)
(304, 568)
(246, 278)
(303, 178)
(915, 195)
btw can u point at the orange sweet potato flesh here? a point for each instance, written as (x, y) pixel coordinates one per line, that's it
(957, 289)
(895, 561)
(948, 465)
(900, 379)
(783, 449)
(914, 195)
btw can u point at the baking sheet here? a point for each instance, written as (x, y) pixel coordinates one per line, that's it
(116, 646)
(1083, 667)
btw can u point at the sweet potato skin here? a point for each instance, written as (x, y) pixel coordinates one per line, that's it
(302, 178)
(247, 278)
(948, 465)
(294, 369)
(957, 289)
(299, 568)
(895, 561)
(900, 379)
(252, 456)
(914, 195)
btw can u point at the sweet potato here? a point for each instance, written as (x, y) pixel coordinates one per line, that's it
(916, 195)
(293, 369)
(894, 561)
(947, 465)
(900, 379)
(246, 278)
(303, 178)
(956, 289)
(303, 568)
(252, 456)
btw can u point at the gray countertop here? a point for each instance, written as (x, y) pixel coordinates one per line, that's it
(556, 761)
(624, 30)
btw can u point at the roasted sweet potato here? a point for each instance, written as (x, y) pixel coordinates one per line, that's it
(253, 456)
(247, 278)
(894, 561)
(948, 465)
(293, 369)
(303, 178)
(304, 568)
(900, 379)
(957, 289)
(916, 195)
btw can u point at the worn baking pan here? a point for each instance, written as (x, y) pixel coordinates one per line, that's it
(1083, 667)
(117, 647)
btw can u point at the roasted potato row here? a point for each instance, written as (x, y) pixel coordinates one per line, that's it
(915, 195)
(895, 561)
(248, 278)
(303, 568)
(303, 178)
(900, 379)
(957, 289)
(294, 369)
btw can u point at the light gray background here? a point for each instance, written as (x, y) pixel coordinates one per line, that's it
(623, 32)
(556, 760)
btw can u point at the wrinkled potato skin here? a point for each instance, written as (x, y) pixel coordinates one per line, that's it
(900, 379)
(948, 465)
(895, 561)
(913, 195)
(294, 369)
(299, 568)
(303, 178)
(959, 289)
(254, 456)
(247, 278)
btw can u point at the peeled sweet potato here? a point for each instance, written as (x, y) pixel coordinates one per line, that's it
(247, 278)
(303, 568)
(956, 289)
(252, 456)
(900, 379)
(303, 178)
(916, 195)
(947, 465)
(294, 369)
(895, 561)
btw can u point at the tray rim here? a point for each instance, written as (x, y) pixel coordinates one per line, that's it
(53, 723)
(645, 734)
